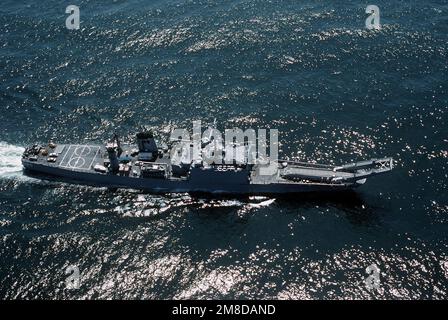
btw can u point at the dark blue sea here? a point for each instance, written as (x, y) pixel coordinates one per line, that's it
(336, 91)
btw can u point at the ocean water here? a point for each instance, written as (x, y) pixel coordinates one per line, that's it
(336, 92)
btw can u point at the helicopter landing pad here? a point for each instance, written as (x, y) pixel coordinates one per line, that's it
(80, 157)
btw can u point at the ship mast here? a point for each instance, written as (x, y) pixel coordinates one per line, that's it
(116, 139)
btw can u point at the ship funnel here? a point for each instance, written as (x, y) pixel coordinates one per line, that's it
(147, 146)
(146, 142)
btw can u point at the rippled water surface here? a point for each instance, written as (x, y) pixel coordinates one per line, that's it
(335, 90)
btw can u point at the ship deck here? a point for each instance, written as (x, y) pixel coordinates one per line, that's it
(78, 157)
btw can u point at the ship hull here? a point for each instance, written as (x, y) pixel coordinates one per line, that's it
(178, 186)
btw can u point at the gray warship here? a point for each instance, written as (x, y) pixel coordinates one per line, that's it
(154, 167)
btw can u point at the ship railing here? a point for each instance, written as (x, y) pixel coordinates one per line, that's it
(375, 165)
(307, 164)
(384, 164)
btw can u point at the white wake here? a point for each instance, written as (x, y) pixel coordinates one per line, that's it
(10, 159)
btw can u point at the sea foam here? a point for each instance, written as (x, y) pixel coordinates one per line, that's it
(10, 159)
